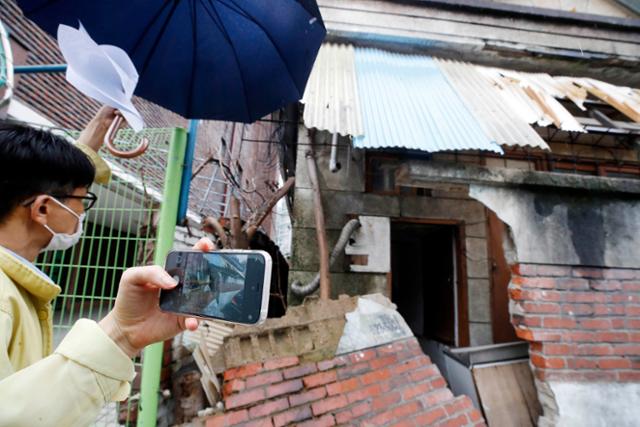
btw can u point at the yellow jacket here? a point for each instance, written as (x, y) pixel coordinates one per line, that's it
(68, 387)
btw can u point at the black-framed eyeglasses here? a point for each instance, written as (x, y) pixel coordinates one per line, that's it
(87, 201)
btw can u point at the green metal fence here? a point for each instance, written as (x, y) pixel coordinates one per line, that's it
(132, 224)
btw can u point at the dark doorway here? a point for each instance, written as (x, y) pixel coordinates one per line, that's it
(425, 282)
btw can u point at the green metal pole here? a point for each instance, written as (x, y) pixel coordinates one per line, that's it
(152, 357)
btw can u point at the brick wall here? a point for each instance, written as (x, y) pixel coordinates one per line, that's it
(583, 323)
(393, 384)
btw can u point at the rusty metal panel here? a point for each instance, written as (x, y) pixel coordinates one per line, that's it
(487, 102)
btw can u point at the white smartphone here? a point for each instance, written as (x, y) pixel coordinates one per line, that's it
(229, 285)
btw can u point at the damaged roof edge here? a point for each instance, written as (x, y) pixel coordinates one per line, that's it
(421, 174)
(532, 12)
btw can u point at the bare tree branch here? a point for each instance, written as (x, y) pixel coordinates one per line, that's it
(254, 222)
(213, 226)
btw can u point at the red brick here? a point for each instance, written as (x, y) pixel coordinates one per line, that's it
(415, 390)
(280, 363)
(572, 284)
(329, 404)
(424, 372)
(605, 285)
(381, 419)
(268, 408)
(428, 418)
(404, 423)
(300, 371)
(460, 420)
(631, 286)
(307, 396)
(594, 349)
(392, 348)
(265, 422)
(627, 349)
(292, 416)
(228, 419)
(324, 421)
(537, 335)
(284, 388)
(232, 386)
(585, 297)
(409, 365)
(344, 416)
(620, 274)
(580, 336)
(406, 410)
(385, 401)
(629, 323)
(591, 273)
(619, 297)
(320, 378)
(325, 365)
(244, 398)
(248, 370)
(475, 415)
(375, 376)
(524, 269)
(365, 393)
(381, 362)
(361, 409)
(632, 310)
(608, 310)
(262, 379)
(577, 309)
(613, 336)
(614, 363)
(343, 386)
(553, 270)
(545, 307)
(436, 397)
(559, 322)
(438, 383)
(353, 370)
(581, 363)
(557, 349)
(546, 362)
(628, 376)
(595, 323)
(535, 282)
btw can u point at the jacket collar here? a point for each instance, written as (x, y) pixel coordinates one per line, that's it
(25, 275)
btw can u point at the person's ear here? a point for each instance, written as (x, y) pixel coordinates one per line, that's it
(40, 209)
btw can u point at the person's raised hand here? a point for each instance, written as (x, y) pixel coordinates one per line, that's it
(93, 134)
(136, 320)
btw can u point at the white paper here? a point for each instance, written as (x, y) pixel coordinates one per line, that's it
(102, 72)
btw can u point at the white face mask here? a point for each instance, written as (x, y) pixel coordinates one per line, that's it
(63, 241)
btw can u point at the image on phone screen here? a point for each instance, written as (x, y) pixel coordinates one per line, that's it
(221, 285)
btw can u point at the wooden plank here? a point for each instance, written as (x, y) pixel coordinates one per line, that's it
(393, 13)
(507, 394)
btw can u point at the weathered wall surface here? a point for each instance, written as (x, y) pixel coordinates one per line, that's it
(343, 194)
(568, 227)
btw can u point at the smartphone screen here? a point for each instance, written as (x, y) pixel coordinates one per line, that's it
(226, 285)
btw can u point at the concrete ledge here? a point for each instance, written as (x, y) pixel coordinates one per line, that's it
(423, 174)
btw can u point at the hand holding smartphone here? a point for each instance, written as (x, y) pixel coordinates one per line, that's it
(228, 285)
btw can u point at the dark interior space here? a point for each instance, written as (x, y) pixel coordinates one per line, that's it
(423, 278)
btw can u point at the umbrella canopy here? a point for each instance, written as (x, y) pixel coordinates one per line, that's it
(235, 60)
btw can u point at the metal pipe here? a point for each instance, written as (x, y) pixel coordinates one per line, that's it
(35, 69)
(323, 251)
(334, 166)
(187, 171)
(152, 360)
(349, 228)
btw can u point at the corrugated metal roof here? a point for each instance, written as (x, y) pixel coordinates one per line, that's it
(407, 102)
(489, 106)
(331, 97)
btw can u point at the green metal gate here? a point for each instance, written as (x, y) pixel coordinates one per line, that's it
(133, 223)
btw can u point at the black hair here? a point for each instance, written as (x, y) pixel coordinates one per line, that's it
(34, 161)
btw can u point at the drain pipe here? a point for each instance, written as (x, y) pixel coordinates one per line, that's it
(350, 227)
(323, 251)
(334, 166)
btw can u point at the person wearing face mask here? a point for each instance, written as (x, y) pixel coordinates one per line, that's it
(44, 197)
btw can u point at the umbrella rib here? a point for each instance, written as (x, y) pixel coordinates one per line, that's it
(235, 56)
(194, 61)
(244, 13)
(147, 28)
(158, 37)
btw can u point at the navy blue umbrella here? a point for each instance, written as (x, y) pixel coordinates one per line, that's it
(235, 60)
